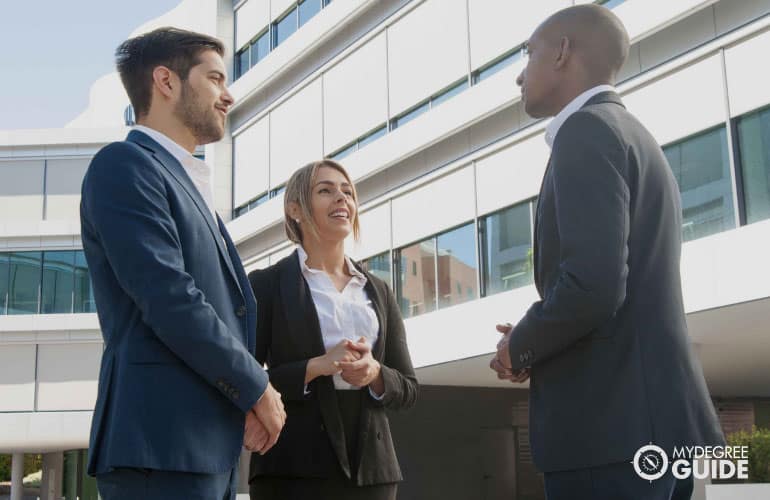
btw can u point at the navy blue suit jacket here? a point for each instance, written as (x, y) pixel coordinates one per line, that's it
(177, 314)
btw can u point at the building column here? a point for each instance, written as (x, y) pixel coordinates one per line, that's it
(53, 472)
(17, 476)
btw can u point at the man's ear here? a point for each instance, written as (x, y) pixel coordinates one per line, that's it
(164, 81)
(565, 52)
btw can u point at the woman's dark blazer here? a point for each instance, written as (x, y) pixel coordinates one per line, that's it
(288, 334)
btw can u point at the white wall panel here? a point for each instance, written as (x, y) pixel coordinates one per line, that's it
(355, 95)
(250, 19)
(427, 50)
(295, 133)
(17, 377)
(278, 7)
(512, 174)
(641, 17)
(681, 103)
(258, 264)
(67, 376)
(21, 190)
(497, 26)
(748, 84)
(275, 257)
(375, 233)
(695, 30)
(63, 180)
(439, 205)
(731, 14)
(252, 161)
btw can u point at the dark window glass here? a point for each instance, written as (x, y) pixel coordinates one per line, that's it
(258, 201)
(754, 142)
(260, 47)
(3, 283)
(84, 292)
(410, 115)
(417, 291)
(275, 192)
(58, 282)
(342, 153)
(242, 62)
(456, 264)
(284, 28)
(610, 4)
(308, 9)
(449, 93)
(507, 249)
(493, 68)
(702, 169)
(24, 282)
(372, 136)
(379, 265)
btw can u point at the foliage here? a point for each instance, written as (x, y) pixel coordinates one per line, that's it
(758, 441)
(32, 463)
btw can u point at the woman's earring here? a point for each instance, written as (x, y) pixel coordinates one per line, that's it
(296, 220)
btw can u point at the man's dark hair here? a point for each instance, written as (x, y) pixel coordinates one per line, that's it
(176, 49)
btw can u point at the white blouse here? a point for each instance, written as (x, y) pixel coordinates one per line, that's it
(348, 314)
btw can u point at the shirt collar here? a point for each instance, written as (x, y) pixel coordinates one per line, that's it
(177, 151)
(302, 255)
(553, 127)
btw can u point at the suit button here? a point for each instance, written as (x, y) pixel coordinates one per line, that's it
(241, 311)
(521, 358)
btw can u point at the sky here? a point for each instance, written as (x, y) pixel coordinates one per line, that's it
(51, 51)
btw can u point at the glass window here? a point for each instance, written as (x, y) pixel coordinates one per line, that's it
(449, 93)
(410, 115)
(507, 249)
(242, 62)
(379, 265)
(342, 153)
(84, 292)
(308, 9)
(3, 283)
(258, 201)
(275, 192)
(24, 282)
(702, 169)
(283, 28)
(417, 292)
(496, 66)
(58, 282)
(260, 47)
(610, 4)
(457, 265)
(372, 136)
(754, 143)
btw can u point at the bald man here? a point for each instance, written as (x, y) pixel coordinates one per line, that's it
(606, 347)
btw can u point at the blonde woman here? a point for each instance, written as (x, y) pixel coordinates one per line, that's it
(333, 339)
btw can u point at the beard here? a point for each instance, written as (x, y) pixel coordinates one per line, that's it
(202, 121)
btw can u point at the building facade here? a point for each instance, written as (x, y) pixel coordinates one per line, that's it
(417, 99)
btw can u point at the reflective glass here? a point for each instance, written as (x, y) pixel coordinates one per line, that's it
(497, 66)
(411, 115)
(58, 282)
(379, 265)
(342, 153)
(242, 62)
(260, 48)
(24, 282)
(702, 168)
(457, 268)
(373, 136)
(3, 283)
(449, 93)
(754, 142)
(507, 248)
(417, 287)
(308, 9)
(284, 28)
(84, 292)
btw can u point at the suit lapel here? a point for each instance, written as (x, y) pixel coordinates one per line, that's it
(378, 350)
(173, 167)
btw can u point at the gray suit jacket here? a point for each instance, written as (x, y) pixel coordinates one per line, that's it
(612, 367)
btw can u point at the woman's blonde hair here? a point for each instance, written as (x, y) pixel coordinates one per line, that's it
(299, 190)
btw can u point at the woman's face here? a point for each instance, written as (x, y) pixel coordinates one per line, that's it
(332, 204)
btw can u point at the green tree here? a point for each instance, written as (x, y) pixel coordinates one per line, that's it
(758, 441)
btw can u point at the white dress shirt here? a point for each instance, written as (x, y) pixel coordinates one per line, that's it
(199, 172)
(575, 104)
(346, 314)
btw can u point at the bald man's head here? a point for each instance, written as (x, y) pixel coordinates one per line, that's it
(596, 36)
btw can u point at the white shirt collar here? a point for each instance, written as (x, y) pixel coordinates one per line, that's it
(553, 127)
(177, 151)
(305, 269)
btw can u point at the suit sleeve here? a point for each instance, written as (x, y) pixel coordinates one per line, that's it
(125, 205)
(591, 199)
(401, 388)
(287, 378)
